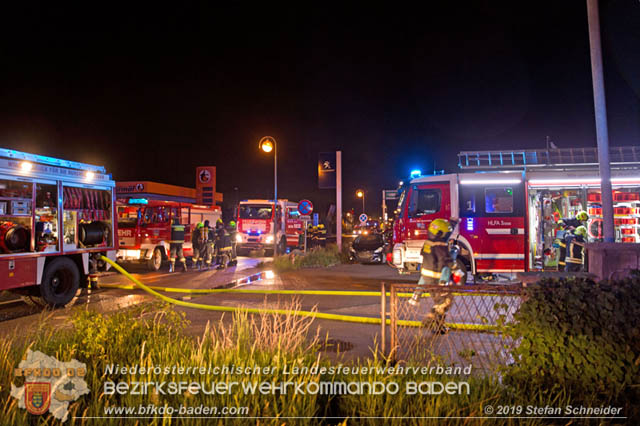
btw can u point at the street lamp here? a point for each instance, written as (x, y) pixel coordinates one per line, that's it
(360, 194)
(268, 144)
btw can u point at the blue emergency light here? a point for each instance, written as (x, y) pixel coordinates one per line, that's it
(415, 173)
(469, 224)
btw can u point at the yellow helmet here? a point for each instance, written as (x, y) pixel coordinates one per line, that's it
(582, 216)
(439, 229)
(581, 230)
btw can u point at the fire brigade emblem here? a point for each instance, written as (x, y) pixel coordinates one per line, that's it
(205, 176)
(37, 397)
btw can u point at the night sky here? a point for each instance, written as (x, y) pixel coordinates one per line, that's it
(151, 93)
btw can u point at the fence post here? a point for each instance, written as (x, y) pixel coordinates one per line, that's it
(383, 318)
(393, 312)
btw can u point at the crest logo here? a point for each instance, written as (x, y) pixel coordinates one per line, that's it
(205, 176)
(37, 397)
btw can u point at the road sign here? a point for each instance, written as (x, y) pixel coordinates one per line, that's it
(391, 194)
(363, 218)
(306, 218)
(305, 207)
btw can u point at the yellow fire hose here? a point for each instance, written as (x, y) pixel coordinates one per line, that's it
(319, 315)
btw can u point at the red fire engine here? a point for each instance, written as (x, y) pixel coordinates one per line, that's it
(255, 225)
(145, 213)
(56, 218)
(510, 202)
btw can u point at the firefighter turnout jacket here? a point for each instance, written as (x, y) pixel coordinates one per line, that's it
(575, 246)
(177, 234)
(435, 256)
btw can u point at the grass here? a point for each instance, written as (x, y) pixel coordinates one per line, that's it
(315, 258)
(153, 335)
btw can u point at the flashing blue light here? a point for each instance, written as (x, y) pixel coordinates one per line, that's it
(415, 173)
(469, 224)
(138, 201)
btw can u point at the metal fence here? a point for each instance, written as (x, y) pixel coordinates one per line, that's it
(472, 325)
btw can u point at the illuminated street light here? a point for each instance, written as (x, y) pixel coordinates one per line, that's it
(360, 194)
(268, 144)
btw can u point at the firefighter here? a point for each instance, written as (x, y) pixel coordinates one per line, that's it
(233, 232)
(198, 239)
(575, 247)
(309, 236)
(436, 270)
(175, 246)
(223, 243)
(209, 245)
(561, 244)
(314, 237)
(321, 236)
(581, 219)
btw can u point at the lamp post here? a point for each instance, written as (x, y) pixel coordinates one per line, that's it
(360, 194)
(268, 144)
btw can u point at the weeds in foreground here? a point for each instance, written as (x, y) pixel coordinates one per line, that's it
(255, 349)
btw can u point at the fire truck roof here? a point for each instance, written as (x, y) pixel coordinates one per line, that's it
(41, 159)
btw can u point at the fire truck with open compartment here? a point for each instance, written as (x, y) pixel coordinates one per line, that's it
(145, 213)
(255, 225)
(509, 204)
(56, 219)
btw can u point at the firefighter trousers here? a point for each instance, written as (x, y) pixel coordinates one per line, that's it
(175, 251)
(442, 302)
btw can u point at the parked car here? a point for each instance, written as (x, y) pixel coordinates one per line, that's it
(368, 248)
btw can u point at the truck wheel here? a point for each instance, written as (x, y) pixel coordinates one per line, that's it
(155, 263)
(60, 282)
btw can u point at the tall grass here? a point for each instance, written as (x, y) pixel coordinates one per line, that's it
(314, 258)
(153, 335)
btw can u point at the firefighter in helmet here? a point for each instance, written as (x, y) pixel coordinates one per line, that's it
(571, 223)
(575, 247)
(175, 246)
(321, 236)
(223, 243)
(436, 270)
(198, 240)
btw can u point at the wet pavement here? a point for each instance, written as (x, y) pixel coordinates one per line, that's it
(357, 340)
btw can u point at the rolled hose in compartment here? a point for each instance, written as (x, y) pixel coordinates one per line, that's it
(93, 233)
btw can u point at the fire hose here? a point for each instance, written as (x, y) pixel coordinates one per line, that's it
(319, 315)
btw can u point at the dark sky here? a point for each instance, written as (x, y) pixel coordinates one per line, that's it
(151, 93)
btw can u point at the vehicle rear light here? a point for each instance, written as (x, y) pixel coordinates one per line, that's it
(389, 257)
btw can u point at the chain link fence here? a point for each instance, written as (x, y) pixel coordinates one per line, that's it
(458, 325)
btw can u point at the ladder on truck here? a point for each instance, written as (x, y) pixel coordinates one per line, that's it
(545, 158)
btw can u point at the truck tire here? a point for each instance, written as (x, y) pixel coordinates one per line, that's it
(60, 282)
(155, 263)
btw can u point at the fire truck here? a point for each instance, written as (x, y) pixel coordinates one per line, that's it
(509, 205)
(56, 219)
(255, 225)
(145, 213)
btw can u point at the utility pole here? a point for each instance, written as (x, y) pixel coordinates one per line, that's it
(602, 131)
(339, 200)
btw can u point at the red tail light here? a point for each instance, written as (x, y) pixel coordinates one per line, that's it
(389, 257)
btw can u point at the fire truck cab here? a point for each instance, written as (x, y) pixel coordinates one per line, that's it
(509, 205)
(56, 219)
(255, 225)
(145, 213)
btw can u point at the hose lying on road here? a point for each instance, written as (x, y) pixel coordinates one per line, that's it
(319, 315)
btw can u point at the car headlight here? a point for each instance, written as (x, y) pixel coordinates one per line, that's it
(238, 238)
(269, 239)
